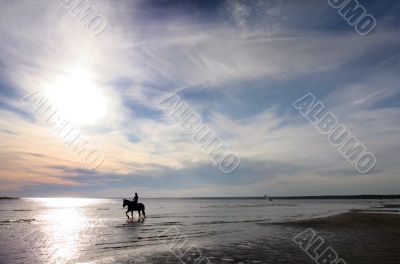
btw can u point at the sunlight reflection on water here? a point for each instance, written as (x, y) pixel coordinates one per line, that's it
(67, 232)
(81, 230)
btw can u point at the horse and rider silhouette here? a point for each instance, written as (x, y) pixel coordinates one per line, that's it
(134, 206)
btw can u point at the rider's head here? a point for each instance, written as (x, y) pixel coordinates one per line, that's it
(135, 193)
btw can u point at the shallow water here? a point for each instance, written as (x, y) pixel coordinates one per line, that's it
(75, 230)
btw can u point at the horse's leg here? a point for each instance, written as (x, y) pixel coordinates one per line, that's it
(139, 213)
(144, 214)
(127, 213)
(132, 214)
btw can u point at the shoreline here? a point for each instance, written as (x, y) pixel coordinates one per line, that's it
(379, 197)
(357, 237)
(352, 219)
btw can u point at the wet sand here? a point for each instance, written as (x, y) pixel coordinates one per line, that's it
(356, 237)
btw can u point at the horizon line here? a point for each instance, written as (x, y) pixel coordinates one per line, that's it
(329, 196)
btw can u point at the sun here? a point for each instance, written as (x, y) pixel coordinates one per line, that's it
(77, 98)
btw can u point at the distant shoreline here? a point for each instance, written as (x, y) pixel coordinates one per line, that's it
(317, 197)
(366, 196)
(9, 198)
(309, 197)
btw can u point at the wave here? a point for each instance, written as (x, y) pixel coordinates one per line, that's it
(231, 222)
(245, 205)
(17, 221)
(17, 210)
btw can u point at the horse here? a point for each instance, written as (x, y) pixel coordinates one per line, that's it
(133, 207)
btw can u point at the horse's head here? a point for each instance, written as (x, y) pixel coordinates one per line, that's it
(125, 203)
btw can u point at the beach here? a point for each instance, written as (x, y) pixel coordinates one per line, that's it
(82, 230)
(357, 237)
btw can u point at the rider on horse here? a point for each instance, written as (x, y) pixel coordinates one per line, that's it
(134, 206)
(135, 199)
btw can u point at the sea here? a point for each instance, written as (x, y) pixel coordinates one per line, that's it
(86, 230)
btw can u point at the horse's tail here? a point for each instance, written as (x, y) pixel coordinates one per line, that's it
(144, 214)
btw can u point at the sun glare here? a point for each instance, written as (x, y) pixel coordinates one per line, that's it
(66, 231)
(77, 98)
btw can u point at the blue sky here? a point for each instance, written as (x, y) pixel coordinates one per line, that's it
(238, 64)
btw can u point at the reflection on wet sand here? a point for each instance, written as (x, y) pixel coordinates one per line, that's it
(67, 231)
(74, 230)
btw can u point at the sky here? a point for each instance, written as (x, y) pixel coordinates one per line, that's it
(238, 64)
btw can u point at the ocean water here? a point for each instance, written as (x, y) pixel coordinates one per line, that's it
(80, 230)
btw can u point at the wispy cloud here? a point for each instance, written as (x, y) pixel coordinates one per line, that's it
(239, 66)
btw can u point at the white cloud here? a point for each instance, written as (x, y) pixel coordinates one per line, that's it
(41, 40)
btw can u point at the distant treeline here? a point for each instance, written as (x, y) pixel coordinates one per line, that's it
(320, 197)
(366, 196)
